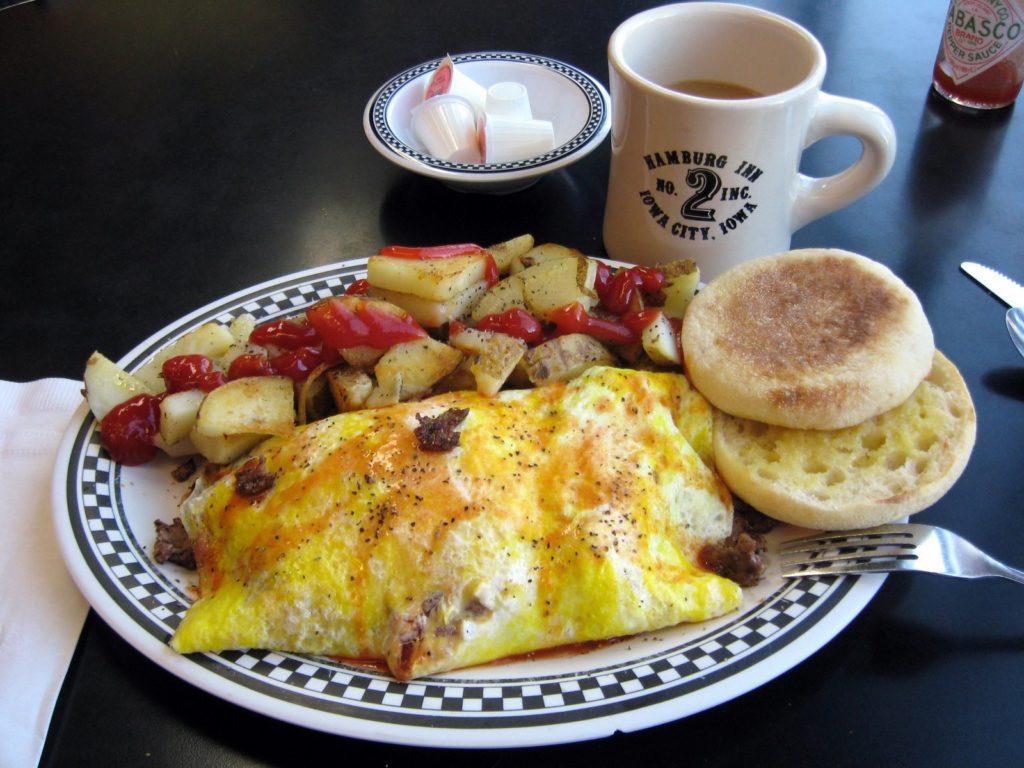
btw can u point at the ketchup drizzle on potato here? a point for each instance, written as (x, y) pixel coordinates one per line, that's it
(430, 252)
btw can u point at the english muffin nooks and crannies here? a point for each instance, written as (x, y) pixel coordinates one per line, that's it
(807, 339)
(893, 464)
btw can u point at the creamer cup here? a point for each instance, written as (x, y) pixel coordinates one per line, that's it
(446, 126)
(459, 84)
(506, 141)
(509, 100)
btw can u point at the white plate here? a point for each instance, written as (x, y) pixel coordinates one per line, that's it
(104, 516)
(574, 102)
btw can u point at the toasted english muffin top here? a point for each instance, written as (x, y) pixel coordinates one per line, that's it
(808, 339)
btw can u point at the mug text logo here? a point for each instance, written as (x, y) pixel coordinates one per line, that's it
(699, 195)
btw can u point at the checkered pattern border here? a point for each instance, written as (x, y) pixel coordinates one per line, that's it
(598, 114)
(118, 556)
(288, 302)
(687, 667)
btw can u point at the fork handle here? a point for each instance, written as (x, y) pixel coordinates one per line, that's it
(1001, 569)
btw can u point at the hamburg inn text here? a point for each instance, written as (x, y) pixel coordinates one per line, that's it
(699, 195)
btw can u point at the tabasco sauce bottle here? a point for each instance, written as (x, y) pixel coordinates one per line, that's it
(981, 59)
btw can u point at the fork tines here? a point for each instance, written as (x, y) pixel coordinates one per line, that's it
(882, 535)
(890, 543)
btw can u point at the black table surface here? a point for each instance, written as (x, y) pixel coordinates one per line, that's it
(157, 156)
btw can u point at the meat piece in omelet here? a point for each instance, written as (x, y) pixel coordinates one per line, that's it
(569, 513)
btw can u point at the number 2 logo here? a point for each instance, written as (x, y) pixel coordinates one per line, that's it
(705, 184)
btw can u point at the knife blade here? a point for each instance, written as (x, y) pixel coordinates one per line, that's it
(1010, 292)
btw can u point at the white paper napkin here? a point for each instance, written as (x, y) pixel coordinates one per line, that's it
(41, 610)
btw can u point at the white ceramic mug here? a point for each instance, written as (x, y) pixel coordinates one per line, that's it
(717, 179)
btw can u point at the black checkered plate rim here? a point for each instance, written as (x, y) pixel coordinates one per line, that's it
(632, 684)
(593, 126)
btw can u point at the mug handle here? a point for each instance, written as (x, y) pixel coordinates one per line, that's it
(838, 115)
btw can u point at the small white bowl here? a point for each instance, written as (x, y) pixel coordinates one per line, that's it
(576, 104)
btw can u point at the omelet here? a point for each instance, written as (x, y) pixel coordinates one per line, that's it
(560, 515)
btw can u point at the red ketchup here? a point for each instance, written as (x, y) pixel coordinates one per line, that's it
(353, 322)
(638, 321)
(299, 350)
(250, 365)
(286, 333)
(296, 364)
(359, 287)
(618, 293)
(513, 322)
(191, 372)
(604, 275)
(573, 318)
(127, 431)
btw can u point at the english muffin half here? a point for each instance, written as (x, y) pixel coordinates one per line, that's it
(807, 339)
(894, 464)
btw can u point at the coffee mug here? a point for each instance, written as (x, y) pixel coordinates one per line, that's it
(712, 106)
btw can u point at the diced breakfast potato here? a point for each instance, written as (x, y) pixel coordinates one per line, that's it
(263, 405)
(659, 340)
(210, 339)
(504, 295)
(386, 394)
(503, 253)
(494, 357)
(182, 448)
(681, 280)
(430, 313)
(520, 376)
(564, 358)
(107, 385)
(632, 354)
(315, 398)
(242, 327)
(178, 413)
(418, 364)
(350, 387)
(236, 350)
(434, 279)
(541, 253)
(554, 284)
(229, 421)
(459, 380)
(221, 449)
(471, 341)
(361, 356)
(356, 304)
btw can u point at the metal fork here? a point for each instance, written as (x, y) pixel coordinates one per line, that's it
(887, 548)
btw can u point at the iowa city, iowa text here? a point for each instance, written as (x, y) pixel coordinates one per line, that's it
(701, 210)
